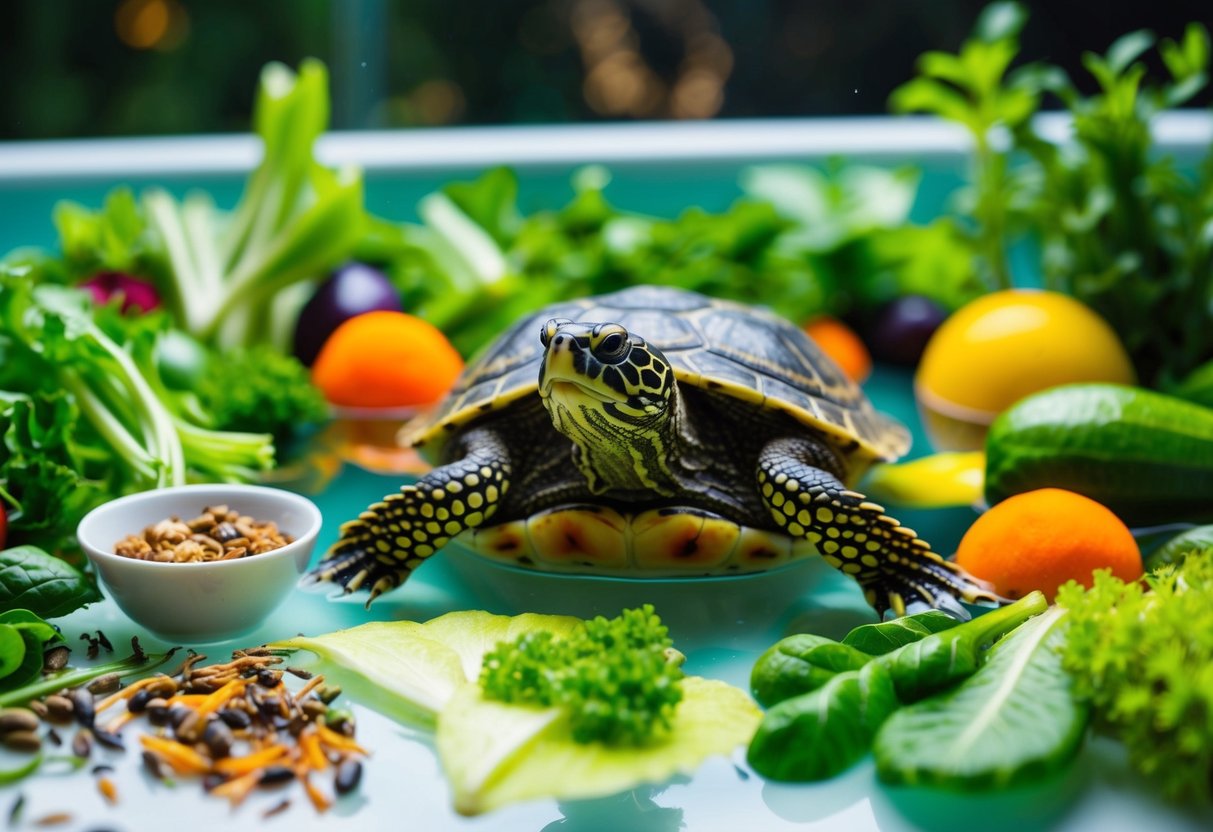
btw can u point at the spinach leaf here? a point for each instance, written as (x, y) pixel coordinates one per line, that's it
(820, 734)
(44, 585)
(30, 667)
(799, 664)
(22, 638)
(887, 636)
(938, 661)
(1013, 719)
(12, 650)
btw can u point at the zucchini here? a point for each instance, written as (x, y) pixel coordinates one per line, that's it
(1146, 456)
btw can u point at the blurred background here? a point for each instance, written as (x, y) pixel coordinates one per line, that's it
(143, 67)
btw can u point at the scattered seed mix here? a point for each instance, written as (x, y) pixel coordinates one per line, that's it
(235, 725)
(219, 533)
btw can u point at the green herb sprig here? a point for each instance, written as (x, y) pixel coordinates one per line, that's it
(618, 679)
(1107, 218)
(1143, 657)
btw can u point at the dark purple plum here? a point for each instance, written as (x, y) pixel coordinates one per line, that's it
(351, 290)
(900, 330)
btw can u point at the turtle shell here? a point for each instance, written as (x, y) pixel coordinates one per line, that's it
(720, 346)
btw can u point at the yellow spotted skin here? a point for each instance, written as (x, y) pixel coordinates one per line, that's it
(895, 568)
(390, 539)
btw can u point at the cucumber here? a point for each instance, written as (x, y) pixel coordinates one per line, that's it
(1174, 550)
(1146, 456)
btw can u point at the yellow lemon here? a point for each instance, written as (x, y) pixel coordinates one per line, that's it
(1002, 347)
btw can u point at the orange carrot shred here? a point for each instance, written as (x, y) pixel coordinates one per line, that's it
(312, 753)
(190, 700)
(182, 758)
(211, 703)
(251, 762)
(219, 698)
(116, 724)
(108, 790)
(238, 788)
(338, 741)
(319, 799)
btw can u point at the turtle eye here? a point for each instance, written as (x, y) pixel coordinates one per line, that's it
(611, 342)
(612, 345)
(548, 332)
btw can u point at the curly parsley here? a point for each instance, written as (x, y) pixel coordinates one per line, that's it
(260, 390)
(1143, 658)
(617, 678)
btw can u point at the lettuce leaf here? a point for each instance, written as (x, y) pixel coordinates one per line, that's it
(496, 754)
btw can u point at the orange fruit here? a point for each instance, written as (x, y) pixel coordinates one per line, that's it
(386, 359)
(839, 342)
(1003, 346)
(1042, 539)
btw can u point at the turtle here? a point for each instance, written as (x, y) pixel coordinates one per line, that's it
(653, 431)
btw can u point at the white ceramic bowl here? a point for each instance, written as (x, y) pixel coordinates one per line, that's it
(198, 603)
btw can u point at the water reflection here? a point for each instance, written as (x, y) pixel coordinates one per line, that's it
(635, 811)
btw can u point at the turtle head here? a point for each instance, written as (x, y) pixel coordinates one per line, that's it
(613, 394)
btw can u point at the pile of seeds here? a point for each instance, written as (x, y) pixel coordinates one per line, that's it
(219, 533)
(234, 724)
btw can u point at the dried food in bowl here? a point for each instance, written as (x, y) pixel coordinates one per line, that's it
(200, 602)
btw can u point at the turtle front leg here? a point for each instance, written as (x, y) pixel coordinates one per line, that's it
(390, 539)
(892, 564)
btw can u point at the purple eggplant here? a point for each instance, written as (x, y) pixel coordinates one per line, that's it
(351, 290)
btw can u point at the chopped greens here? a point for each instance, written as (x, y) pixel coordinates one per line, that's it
(615, 678)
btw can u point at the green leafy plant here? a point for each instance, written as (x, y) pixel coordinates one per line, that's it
(973, 89)
(295, 221)
(840, 701)
(45, 585)
(799, 240)
(1142, 656)
(799, 664)
(85, 415)
(1116, 224)
(1016, 718)
(228, 277)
